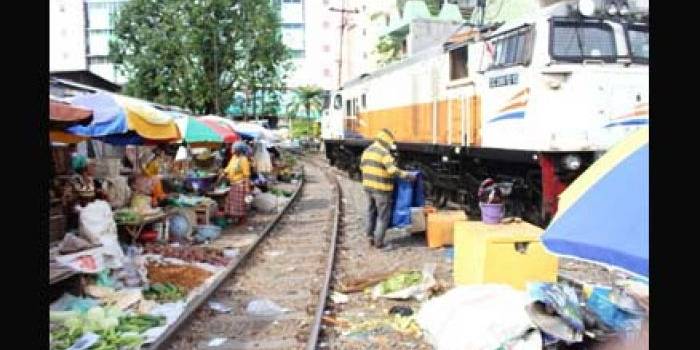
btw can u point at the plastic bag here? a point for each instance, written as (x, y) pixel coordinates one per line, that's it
(480, 317)
(263, 164)
(264, 308)
(268, 203)
(599, 302)
(87, 261)
(407, 194)
(69, 302)
(96, 220)
(117, 190)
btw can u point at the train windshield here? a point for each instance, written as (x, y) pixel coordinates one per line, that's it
(638, 39)
(577, 41)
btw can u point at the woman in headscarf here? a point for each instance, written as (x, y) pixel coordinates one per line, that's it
(238, 174)
(84, 183)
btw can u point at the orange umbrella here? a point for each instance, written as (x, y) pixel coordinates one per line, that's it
(64, 112)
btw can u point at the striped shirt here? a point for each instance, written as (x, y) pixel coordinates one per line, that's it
(378, 168)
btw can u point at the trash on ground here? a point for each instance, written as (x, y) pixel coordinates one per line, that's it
(339, 298)
(217, 342)
(474, 317)
(359, 284)
(406, 285)
(401, 310)
(560, 298)
(219, 307)
(335, 321)
(264, 308)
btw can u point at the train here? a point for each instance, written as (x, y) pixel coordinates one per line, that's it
(531, 104)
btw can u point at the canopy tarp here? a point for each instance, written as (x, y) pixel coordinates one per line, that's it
(603, 216)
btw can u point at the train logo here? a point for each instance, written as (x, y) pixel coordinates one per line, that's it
(639, 116)
(515, 108)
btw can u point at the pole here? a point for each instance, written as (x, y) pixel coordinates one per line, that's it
(343, 24)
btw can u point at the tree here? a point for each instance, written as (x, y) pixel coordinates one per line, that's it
(307, 98)
(197, 54)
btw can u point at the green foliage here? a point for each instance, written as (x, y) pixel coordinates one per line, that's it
(197, 54)
(308, 99)
(389, 49)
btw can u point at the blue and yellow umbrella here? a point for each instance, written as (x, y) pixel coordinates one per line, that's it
(604, 215)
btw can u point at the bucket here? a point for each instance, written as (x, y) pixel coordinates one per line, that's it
(492, 213)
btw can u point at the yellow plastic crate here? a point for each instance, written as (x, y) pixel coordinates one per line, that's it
(440, 225)
(507, 253)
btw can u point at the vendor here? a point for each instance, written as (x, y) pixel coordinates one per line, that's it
(148, 183)
(238, 174)
(84, 184)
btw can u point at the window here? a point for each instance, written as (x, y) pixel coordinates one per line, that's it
(364, 101)
(348, 108)
(458, 63)
(575, 41)
(638, 41)
(338, 102)
(512, 48)
(291, 1)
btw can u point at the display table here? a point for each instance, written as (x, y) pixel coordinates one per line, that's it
(134, 230)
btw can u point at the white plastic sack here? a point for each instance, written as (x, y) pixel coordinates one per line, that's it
(181, 154)
(268, 203)
(87, 261)
(98, 226)
(263, 163)
(478, 317)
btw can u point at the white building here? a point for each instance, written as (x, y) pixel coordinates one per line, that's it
(79, 34)
(66, 36)
(312, 32)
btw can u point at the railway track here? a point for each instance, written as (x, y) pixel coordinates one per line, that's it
(291, 267)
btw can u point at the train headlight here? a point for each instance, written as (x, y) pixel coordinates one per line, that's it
(612, 10)
(586, 7)
(572, 162)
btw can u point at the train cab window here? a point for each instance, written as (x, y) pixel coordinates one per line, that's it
(576, 41)
(348, 108)
(638, 41)
(458, 63)
(512, 49)
(364, 101)
(338, 102)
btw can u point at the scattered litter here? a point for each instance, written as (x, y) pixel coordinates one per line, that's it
(274, 253)
(401, 310)
(406, 285)
(335, 321)
(264, 308)
(216, 342)
(231, 253)
(340, 298)
(219, 307)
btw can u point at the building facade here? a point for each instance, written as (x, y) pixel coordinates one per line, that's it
(100, 16)
(66, 36)
(311, 30)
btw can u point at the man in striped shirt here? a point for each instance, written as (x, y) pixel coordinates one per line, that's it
(378, 171)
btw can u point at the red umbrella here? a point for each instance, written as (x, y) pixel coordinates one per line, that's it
(226, 132)
(64, 112)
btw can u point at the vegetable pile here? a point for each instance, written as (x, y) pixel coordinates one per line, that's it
(116, 331)
(190, 254)
(166, 292)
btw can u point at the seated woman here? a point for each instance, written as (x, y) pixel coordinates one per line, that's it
(84, 183)
(238, 174)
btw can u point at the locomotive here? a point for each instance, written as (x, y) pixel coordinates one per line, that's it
(530, 104)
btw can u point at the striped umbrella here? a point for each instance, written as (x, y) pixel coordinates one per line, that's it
(603, 216)
(194, 131)
(221, 127)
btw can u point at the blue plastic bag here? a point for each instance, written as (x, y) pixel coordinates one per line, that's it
(406, 194)
(613, 317)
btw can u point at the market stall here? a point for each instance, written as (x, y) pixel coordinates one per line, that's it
(139, 188)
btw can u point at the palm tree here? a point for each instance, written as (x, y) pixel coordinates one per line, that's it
(307, 98)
